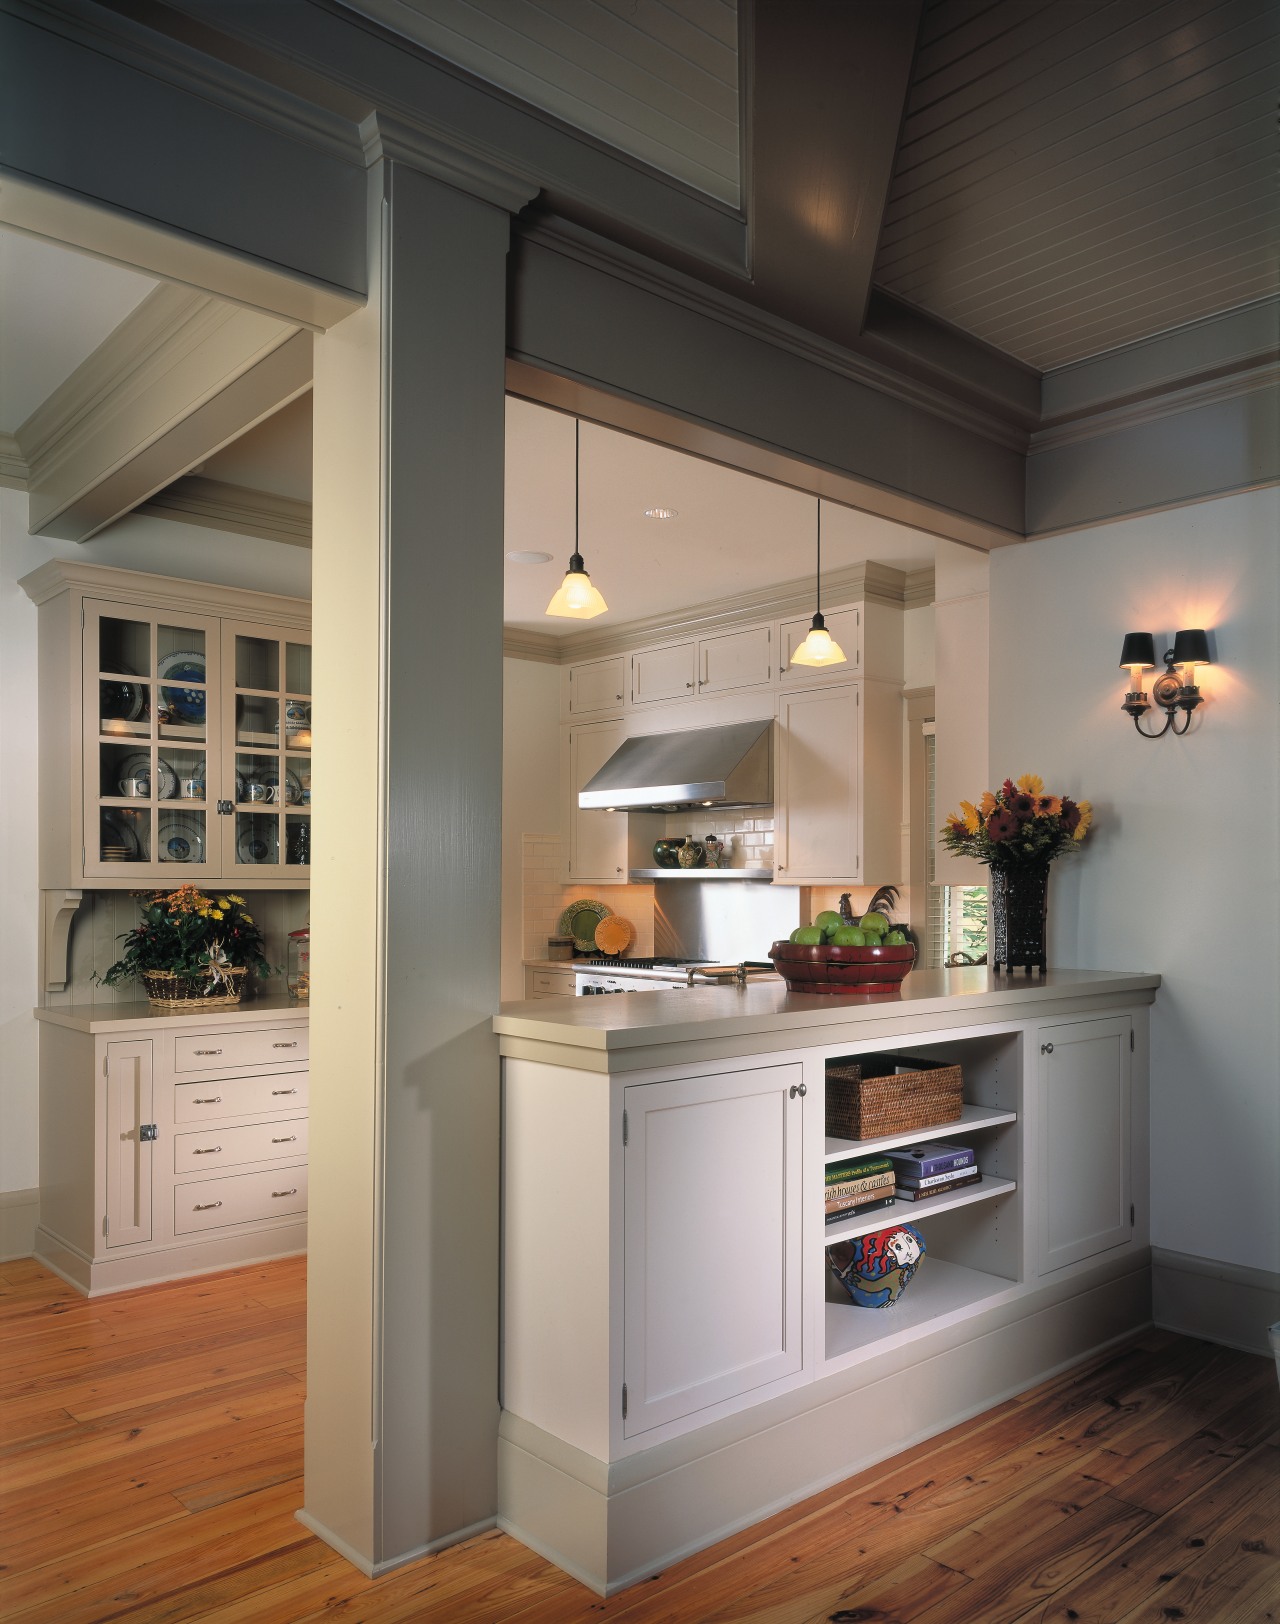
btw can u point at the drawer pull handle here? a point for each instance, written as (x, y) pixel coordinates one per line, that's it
(213, 1099)
(284, 1090)
(206, 1051)
(207, 1206)
(287, 1140)
(276, 1194)
(213, 1150)
(292, 1045)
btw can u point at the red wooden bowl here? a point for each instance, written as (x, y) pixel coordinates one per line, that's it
(830, 969)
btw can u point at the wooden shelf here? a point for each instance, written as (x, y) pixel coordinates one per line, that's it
(913, 1211)
(971, 1117)
(939, 1294)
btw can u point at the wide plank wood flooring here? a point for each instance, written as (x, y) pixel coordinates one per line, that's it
(152, 1463)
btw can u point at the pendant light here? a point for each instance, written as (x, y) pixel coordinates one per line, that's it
(819, 647)
(576, 598)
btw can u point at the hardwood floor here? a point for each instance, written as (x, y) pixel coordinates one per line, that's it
(152, 1450)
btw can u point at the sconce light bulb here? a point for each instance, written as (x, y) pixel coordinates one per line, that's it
(1189, 674)
(1135, 679)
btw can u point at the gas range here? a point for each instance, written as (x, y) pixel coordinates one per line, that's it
(594, 977)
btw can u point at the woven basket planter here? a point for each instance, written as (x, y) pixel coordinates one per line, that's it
(168, 990)
(869, 1097)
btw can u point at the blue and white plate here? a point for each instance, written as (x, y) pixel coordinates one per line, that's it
(184, 665)
(179, 839)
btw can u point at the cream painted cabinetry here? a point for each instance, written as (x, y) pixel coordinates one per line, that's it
(664, 673)
(175, 731)
(170, 1144)
(541, 982)
(597, 839)
(845, 626)
(598, 686)
(735, 660)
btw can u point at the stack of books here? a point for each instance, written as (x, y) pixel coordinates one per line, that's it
(933, 1169)
(857, 1185)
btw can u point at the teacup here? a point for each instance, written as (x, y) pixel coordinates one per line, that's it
(191, 789)
(139, 786)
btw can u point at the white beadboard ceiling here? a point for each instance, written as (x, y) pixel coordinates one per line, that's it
(656, 78)
(1075, 176)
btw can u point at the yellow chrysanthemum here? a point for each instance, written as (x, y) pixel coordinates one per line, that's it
(987, 804)
(232, 897)
(1031, 784)
(248, 918)
(224, 902)
(972, 820)
(215, 913)
(1086, 818)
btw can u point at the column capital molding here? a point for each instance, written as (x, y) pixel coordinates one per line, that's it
(446, 158)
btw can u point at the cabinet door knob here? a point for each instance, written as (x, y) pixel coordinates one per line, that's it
(1046, 1048)
(799, 1088)
(688, 685)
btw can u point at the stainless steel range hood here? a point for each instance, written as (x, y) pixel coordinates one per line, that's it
(727, 766)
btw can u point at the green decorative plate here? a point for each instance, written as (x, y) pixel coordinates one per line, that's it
(580, 919)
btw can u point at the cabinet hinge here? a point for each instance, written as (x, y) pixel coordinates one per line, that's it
(148, 1132)
(626, 1129)
(1133, 1217)
(1130, 1040)
(624, 1401)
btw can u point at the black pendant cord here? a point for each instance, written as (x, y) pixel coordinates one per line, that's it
(817, 596)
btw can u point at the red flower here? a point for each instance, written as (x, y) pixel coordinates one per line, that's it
(1070, 814)
(1008, 790)
(1002, 825)
(957, 827)
(1022, 806)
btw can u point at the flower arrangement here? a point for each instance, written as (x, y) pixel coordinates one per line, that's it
(1018, 823)
(189, 934)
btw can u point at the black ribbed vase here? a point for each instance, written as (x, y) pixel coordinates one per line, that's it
(1019, 915)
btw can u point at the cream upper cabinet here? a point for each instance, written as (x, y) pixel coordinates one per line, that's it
(175, 731)
(664, 673)
(735, 660)
(838, 786)
(597, 839)
(845, 626)
(598, 686)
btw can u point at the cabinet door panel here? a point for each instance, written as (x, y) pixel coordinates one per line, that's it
(817, 804)
(129, 1098)
(712, 1256)
(1084, 1140)
(597, 686)
(266, 758)
(663, 673)
(597, 839)
(736, 660)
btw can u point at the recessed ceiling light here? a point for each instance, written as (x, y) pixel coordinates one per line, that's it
(660, 513)
(529, 558)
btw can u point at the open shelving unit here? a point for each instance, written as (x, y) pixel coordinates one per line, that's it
(973, 1236)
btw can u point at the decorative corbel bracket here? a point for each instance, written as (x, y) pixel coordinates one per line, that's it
(57, 910)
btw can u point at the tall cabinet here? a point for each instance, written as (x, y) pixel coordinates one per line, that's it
(175, 732)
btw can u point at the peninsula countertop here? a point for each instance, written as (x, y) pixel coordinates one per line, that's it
(606, 1032)
(275, 1010)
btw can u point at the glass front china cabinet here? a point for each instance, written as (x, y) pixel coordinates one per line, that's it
(175, 731)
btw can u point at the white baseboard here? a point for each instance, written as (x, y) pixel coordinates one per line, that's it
(1214, 1301)
(374, 1570)
(19, 1215)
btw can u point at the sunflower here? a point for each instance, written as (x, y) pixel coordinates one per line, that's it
(987, 804)
(1086, 818)
(1031, 784)
(1048, 806)
(972, 821)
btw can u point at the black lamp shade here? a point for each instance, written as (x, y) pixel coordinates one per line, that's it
(1140, 649)
(1190, 648)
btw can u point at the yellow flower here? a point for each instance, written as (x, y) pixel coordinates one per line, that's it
(1031, 784)
(972, 821)
(224, 902)
(248, 918)
(987, 804)
(232, 897)
(216, 913)
(1048, 806)
(1086, 818)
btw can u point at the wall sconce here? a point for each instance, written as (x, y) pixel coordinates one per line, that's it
(1174, 689)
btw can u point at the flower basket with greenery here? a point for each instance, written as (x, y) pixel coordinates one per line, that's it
(189, 948)
(1017, 831)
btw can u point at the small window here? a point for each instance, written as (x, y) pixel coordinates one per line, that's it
(956, 917)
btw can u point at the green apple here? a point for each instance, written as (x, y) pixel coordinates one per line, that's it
(828, 922)
(895, 938)
(795, 934)
(810, 936)
(849, 936)
(874, 921)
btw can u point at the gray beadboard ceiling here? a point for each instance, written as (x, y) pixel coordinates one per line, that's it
(656, 78)
(1073, 175)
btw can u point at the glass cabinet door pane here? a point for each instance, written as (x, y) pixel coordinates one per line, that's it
(257, 720)
(297, 724)
(297, 669)
(297, 839)
(297, 774)
(124, 834)
(124, 708)
(257, 838)
(257, 662)
(180, 836)
(189, 769)
(124, 647)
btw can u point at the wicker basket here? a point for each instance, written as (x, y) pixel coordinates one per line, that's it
(878, 1094)
(168, 990)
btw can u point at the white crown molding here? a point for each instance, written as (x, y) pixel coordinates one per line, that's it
(445, 158)
(166, 591)
(1171, 402)
(13, 465)
(919, 588)
(588, 248)
(219, 505)
(518, 644)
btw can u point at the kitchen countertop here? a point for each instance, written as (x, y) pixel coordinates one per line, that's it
(107, 1017)
(601, 1028)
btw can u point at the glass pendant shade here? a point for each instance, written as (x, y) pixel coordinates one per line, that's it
(576, 598)
(819, 647)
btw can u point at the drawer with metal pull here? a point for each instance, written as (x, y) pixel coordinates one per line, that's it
(260, 1046)
(242, 1198)
(212, 1149)
(239, 1096)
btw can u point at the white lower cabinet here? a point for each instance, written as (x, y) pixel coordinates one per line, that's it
(147, 1173)
(1086, 1147)
(712, 1259)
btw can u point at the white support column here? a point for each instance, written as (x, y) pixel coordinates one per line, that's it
(402, 1405)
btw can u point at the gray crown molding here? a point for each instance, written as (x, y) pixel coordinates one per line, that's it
(57, 575)
(1169, 403)
(219, 505)
(180, 377)
(651, 276)
(13, 465)
(519, 644)
(383, 136)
